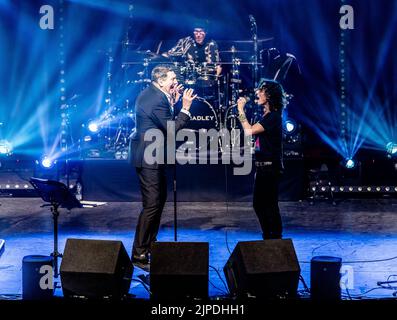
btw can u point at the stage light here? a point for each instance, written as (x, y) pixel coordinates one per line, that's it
(290, 126)
(124, 154)
(121, 155)
(46, 162)
(5, 147)
(391, 148)
(117, 155)
(350, 163)
(93, 126)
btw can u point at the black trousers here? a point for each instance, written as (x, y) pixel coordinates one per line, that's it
(153, 183)
(266, 202)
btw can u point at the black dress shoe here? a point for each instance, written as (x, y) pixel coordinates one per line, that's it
(141, 261)
(141, 257)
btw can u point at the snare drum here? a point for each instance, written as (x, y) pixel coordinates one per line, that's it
(188, 73)
(206, 75)
(203, 119)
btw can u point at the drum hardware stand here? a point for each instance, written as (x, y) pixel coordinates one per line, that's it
(143, 75)
(221, 109)
(123, 130)
(235, 81)
(66, 131)
(287, 64)
(109, 100)
(126, 41)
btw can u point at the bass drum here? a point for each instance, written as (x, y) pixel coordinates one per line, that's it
(204, 118)
(203, 115)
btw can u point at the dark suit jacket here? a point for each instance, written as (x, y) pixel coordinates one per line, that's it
(152, 111)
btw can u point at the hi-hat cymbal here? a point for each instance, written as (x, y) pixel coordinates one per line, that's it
(251, 41)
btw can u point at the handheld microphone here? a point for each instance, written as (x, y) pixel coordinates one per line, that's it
(180, 91)
(247, 98)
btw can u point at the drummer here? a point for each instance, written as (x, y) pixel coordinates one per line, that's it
(197, 49)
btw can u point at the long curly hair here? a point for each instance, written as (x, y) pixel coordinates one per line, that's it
(274, 94)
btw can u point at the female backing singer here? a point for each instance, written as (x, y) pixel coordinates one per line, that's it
(268, 155)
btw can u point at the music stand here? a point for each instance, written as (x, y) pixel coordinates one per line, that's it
(58, 195)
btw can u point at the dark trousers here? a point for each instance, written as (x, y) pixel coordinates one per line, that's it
(266, 202)
(153, 183)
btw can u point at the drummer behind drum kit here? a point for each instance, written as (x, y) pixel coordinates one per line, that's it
(215, 106)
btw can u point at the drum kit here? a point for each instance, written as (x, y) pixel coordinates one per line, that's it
(215, 107)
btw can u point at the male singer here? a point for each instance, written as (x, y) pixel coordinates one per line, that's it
(154, 108)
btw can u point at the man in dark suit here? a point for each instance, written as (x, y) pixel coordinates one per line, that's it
(154, 108)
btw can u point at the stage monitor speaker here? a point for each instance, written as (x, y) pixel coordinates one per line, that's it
(325, 278)
(37, 277)
(267, 269)
(179, 270)
(95, 269)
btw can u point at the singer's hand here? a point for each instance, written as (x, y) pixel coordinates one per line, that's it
(176, 92)
(218, 69)
(241, 104)
(188, 98)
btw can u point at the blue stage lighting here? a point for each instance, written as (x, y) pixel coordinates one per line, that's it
(5, 147)
(391, 148)
(290, 126)
(47, 163)
(350, 163)
(93, 126)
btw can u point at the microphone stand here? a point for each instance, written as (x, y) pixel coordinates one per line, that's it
(175, 205)
(254, 31)
(175, 188)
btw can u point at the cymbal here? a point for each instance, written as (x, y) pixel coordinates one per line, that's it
(147, 53)
(251, 41)
(233, 51)
(247, 63)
